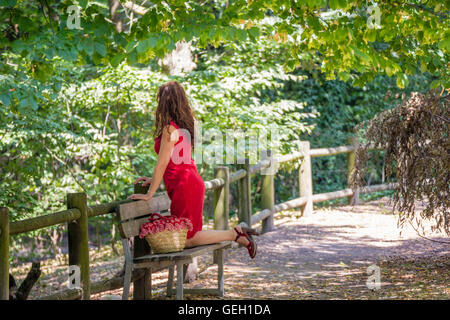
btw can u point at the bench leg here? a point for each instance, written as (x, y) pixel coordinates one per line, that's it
(126, 282)
(128, 269)
(170, 281)
(220, 282)
(191, 271)
(180, 279)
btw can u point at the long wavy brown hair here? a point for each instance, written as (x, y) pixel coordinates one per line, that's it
(173, 105)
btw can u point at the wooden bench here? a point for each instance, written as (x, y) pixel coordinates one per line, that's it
(131, 216)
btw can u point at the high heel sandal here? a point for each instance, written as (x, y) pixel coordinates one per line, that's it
(250, 231)
(251, 246)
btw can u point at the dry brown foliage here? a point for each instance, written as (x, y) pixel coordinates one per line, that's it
(415, 137)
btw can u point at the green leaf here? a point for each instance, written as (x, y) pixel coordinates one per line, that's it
(444, 44)
(152, 41)
(360, 54)
(146, 44)
(142, 46)
(28, 102)
(253, 33)
(371, 35)
(344, 76)
(89, 46)
(8, 3)
(18, 46)
(4, 98)
(338, 4)
(130, 46)
(402, 80)
(33, 103)
(342, 4)
(100, 48)
(241, 34)
(116, 60)
(132, 57)
(435, 84)
(83, 3)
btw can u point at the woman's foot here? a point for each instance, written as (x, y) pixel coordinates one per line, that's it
(241, 240)
(246, 240)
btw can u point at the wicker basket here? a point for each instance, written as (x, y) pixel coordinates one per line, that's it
(167, 241)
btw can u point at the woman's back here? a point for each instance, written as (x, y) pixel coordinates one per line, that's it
(182, 154)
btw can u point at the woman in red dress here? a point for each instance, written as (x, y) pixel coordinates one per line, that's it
(174, 121)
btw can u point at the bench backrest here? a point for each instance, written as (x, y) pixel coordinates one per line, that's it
(131, 215)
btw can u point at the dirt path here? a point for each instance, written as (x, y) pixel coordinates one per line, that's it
(325, 256)
(321, 256)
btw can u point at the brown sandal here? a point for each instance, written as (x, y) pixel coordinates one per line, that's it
(251, 246)
(250, 231)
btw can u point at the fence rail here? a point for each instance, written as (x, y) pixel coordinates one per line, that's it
(78, 213)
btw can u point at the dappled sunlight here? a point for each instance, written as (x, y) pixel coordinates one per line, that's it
(321, 256)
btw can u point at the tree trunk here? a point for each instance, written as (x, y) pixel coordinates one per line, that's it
(25, 287)
(179, 61)
(114, 6)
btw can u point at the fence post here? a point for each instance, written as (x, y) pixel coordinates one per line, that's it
(221, 199)
(351, 157)
(142, 287)
(268, 191)
(305, 183)
(4, 253)
(79, 240)
(244, 189)
(138, 188)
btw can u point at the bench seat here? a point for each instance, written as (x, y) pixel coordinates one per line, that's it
(130, 217)
(185, 254)
(179, 259)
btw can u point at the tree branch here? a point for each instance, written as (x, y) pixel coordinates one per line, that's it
(422, 7)
(130, 5)
(114, 6)
(24, 290)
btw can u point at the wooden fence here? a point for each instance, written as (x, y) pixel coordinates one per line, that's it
(78, 212)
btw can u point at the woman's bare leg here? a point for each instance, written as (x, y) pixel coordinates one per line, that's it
(214, 236)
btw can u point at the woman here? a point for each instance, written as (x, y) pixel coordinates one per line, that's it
(184, 184)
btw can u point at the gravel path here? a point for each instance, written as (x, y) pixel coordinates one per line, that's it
(320, 256)
(327, 245)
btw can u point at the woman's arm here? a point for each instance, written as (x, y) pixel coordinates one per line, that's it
(165, 152)
(168, 141)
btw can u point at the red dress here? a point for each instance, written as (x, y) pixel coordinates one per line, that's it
(184, 184)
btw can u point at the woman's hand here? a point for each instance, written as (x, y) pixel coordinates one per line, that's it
(139, 196)
(146, 180)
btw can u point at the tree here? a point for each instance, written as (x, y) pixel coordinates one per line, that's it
(74, 106)
(396, 38)
(414, 136)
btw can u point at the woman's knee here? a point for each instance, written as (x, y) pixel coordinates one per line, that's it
(188, 243)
